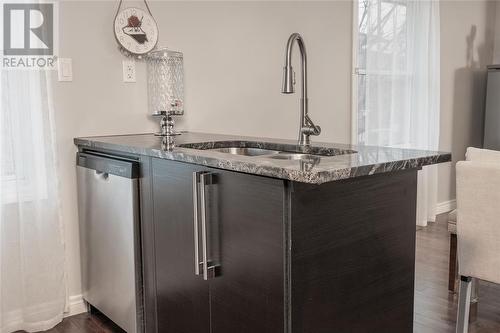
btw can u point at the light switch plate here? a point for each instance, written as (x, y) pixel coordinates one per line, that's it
(65, 69)
(128, 71)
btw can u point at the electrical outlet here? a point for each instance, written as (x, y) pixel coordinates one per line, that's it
(128, 71)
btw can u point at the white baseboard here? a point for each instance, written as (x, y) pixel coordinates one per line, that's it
(446, 206)
(76, 306)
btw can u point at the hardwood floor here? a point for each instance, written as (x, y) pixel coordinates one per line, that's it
(94, 322)
(435, 307)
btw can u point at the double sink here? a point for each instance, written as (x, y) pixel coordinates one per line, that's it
(270, 150)
(269, 153)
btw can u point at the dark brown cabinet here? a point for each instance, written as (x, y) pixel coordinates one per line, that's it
(182, 299)
(281, 256)
(244, 229)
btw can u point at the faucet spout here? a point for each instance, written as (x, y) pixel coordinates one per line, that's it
(306, 127)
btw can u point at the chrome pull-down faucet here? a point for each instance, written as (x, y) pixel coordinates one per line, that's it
(307, 126)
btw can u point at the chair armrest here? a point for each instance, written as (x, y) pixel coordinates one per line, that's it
(478, 219)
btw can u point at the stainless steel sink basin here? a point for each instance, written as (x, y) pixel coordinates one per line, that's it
(268, 153)
(282, 151)
(246, 151)
(294, 156)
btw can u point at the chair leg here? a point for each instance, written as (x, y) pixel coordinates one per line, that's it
(474, 300)
(464, 297)
(453, 264)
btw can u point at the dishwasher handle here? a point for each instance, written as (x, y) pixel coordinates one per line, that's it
(108, 165)
(104, 176)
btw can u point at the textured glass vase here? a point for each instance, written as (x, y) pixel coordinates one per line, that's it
(165, 82)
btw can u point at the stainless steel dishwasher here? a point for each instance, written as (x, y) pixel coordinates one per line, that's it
(108, 194)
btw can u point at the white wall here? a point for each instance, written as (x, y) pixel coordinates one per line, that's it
(467, 34)
(233, 57)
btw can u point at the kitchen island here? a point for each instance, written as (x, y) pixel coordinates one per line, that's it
(243, 234)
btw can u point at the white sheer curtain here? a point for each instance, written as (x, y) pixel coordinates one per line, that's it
(398, 85)
(32, 260)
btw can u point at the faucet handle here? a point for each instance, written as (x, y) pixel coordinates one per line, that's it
(317, 130)
(311, 128)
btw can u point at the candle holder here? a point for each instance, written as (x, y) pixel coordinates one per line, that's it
(166, 88)
(166, 125)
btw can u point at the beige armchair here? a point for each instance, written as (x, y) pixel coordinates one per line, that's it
(478, 226)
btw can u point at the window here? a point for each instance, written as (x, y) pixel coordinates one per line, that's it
(7, 166)
(381, 69)
(22, 147)
(396, 74)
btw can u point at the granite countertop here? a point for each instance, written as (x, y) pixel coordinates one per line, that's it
(346, 161)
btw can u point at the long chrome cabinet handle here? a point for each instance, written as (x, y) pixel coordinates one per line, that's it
(208, 268)
(204, 179)
(196, 180)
